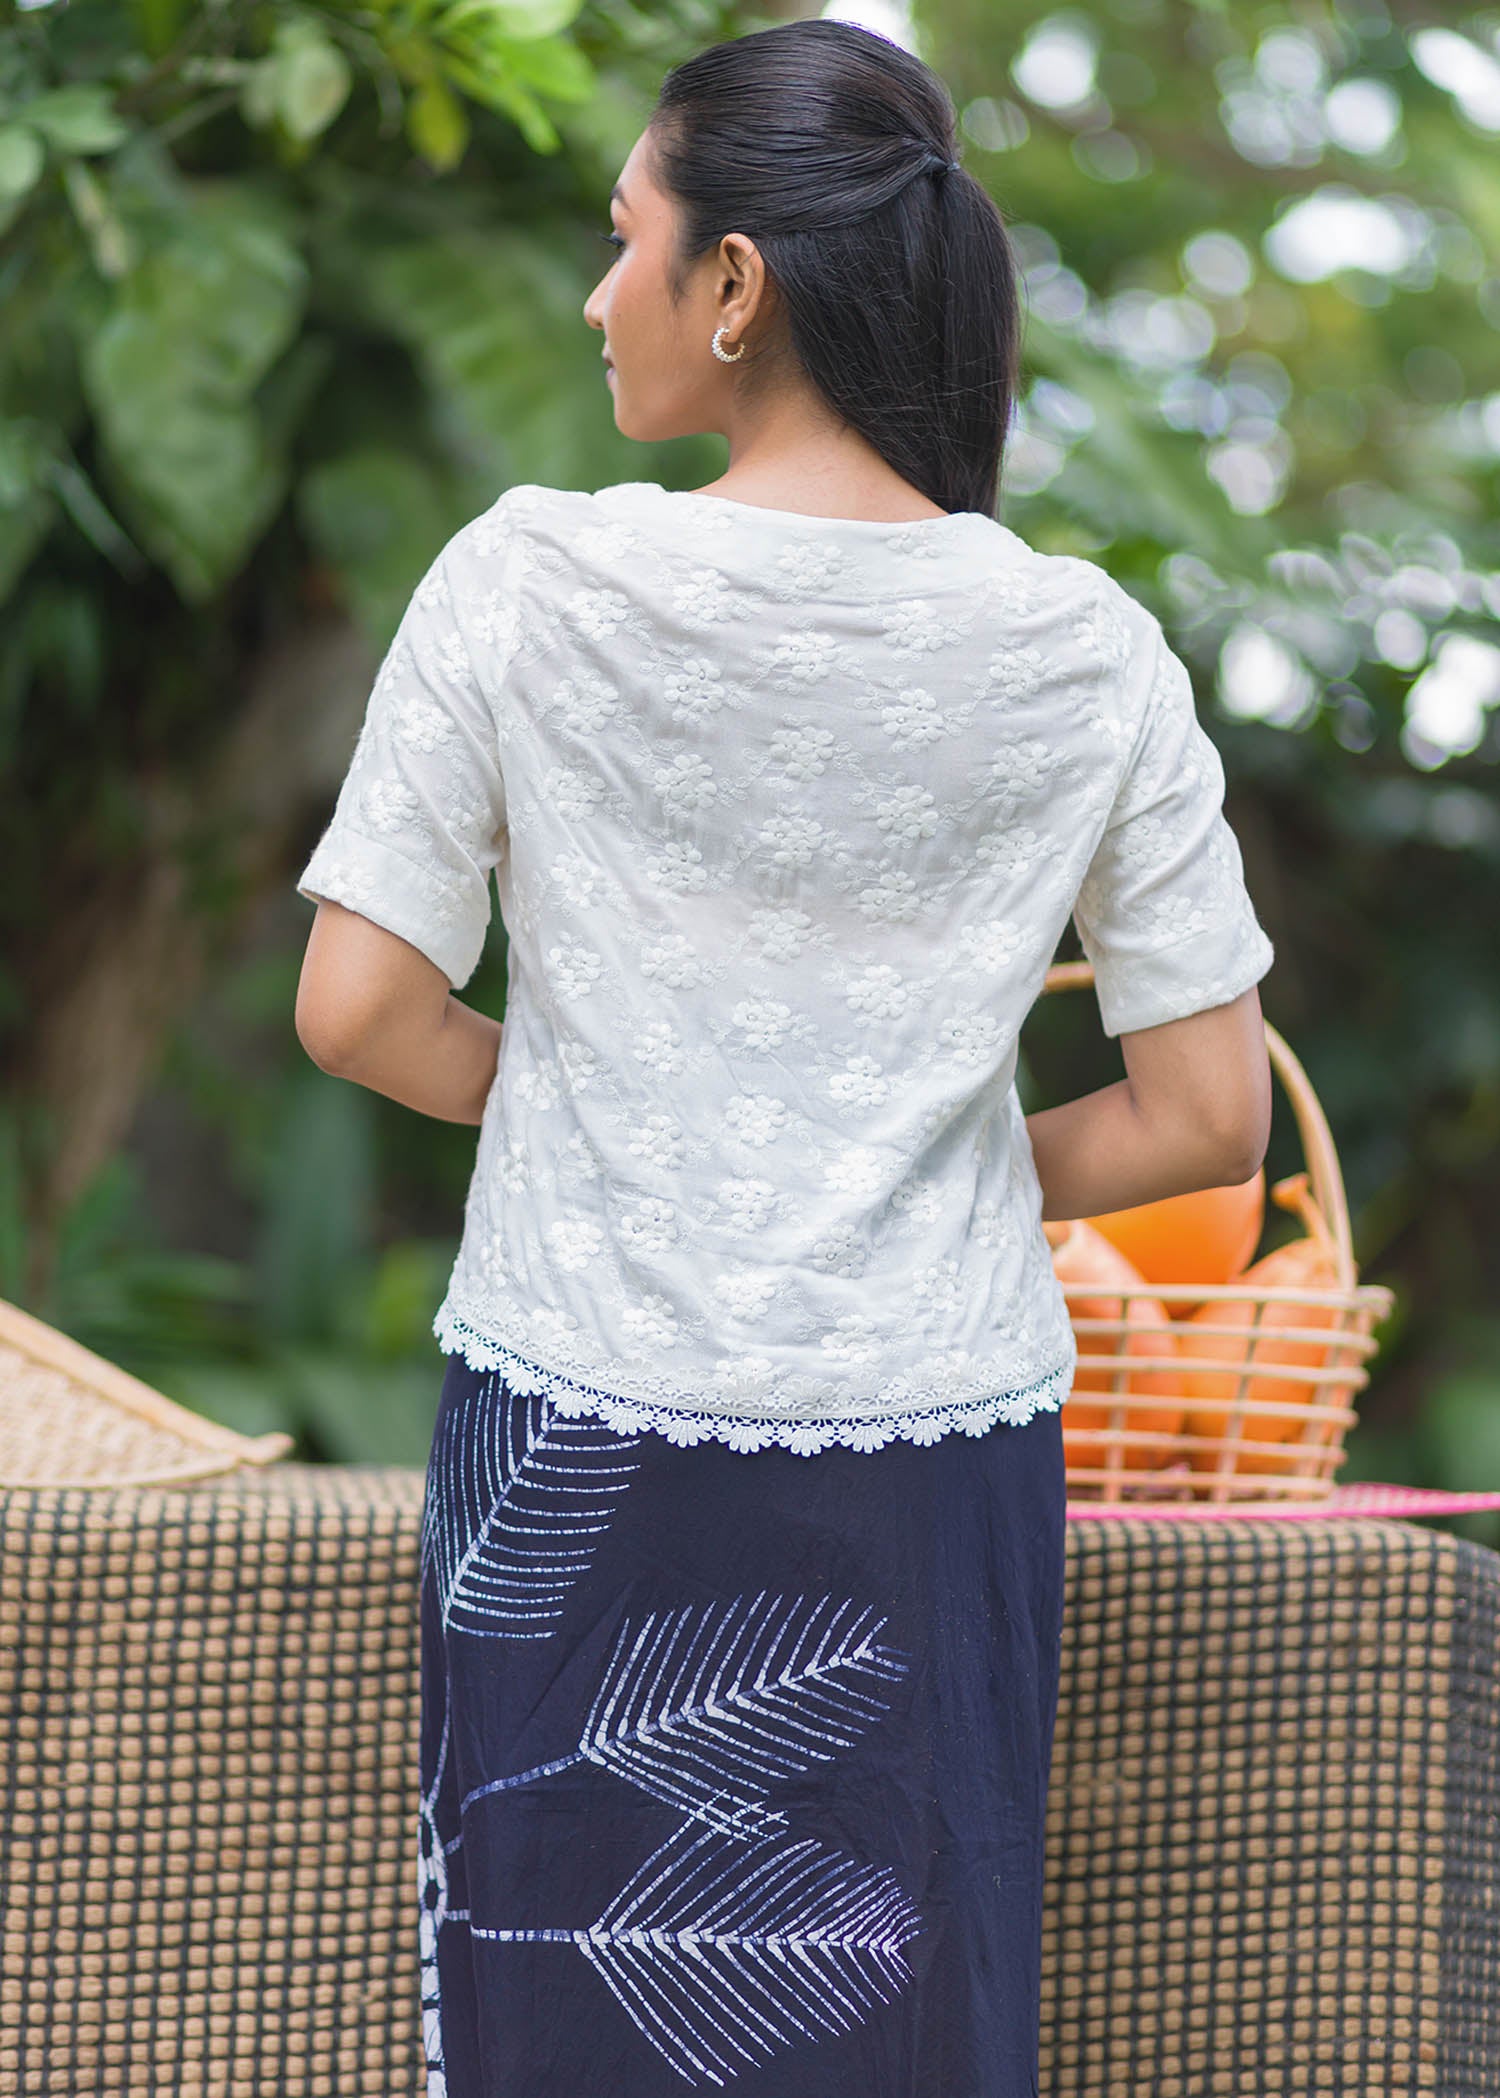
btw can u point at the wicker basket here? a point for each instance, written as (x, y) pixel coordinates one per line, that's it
(68, 1417)
(1316, 1395)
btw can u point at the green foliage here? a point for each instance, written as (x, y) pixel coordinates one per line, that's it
(294, 287)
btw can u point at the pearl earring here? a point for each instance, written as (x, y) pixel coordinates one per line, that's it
(719, 350)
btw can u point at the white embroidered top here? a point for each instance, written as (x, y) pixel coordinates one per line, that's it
(787, 815)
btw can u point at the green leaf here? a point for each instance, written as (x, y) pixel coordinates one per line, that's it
(76, 120)
(512, 100)
(554, 67)
(517, 20)
(302, 83)
(158, 24)
(437, 126)
(110, 244)
(22, 159)
(169, 374)
(315, 81)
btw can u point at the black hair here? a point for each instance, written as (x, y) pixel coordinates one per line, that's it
(829, 146)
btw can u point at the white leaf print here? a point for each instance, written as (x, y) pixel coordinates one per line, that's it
(718, 1951)
(706, 1715)
(518, 1497)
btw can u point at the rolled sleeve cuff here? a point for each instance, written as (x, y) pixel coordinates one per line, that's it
(445, 920)
(1211, 968)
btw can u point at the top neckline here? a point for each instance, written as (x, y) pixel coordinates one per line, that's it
(946, 520)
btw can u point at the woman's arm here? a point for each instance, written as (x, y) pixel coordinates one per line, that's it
(1194, 1112)
(374, 1009)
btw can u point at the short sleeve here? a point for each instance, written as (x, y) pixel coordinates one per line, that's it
(420, 818)
(1163, 912)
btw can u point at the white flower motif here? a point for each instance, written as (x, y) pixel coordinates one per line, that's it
(970, 1036)
(859, 1083)
(687, 782)
(911, 718)
(1020, 770)
(989, 947)
(657, 1138)
(780, 931)
(658, 1049)
(803, 752)
(572, 968)
(694, 689)
(806, 657)
(840, 1251)
(497, 622)
(421, 724)
(892, 899)
(756, 1118)
(650, 1227)
(762, 1021)
(579, 1062)
(453, 663)
(586, 702)
(749, 1203)
(858, 1169)
(467, 821)
(908, 814)
(794, 840)
(918, 1200)
(916, 626)
(649, 1322)
(879, 992)
(600, 613)
(1014, 850)
(672, 960)
(855, 1339)
(992, 1227)
(939, 1287)
(580, 1159)
(746, 1293)
(1014, 671)
(575, 1242)
(571, 794)
(389, 805)
(558, 1332)
(679, 867)
(576, 880)
(538, 1088)
(512, 1166)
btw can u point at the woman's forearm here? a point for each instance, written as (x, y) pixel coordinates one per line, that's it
(1102, 1152)
(444, 1072)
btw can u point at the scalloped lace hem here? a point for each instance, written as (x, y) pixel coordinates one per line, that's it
(806, 1434)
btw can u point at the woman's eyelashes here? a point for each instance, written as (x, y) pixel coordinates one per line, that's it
(613, 240)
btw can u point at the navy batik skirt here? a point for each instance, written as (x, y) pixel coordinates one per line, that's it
(733, 1766)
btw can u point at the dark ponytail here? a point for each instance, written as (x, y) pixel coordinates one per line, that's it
(829, 146)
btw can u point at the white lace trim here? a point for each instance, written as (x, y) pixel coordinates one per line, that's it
(685, 1426)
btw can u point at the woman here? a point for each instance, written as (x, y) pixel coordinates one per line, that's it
(740, 1661)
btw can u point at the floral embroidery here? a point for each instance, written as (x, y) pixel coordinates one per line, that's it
(786, 818)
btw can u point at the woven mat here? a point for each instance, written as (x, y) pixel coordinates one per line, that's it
(1273, 1830)
(1369, 1497)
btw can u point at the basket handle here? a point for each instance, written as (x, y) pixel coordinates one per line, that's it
(1326, 1181)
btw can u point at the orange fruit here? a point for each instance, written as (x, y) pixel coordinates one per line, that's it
(1304, 1263)
(1103, 1284)
(1206, 1236)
